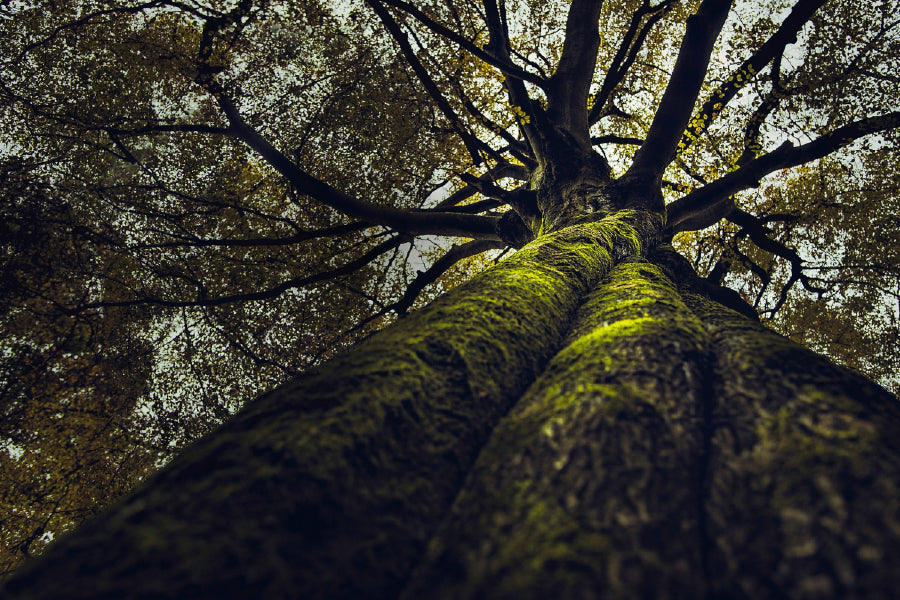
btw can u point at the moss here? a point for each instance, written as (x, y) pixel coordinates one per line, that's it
(349, 468)
(547, 540)
(589, 479)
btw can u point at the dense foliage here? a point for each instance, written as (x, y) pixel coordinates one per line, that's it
(204, 198)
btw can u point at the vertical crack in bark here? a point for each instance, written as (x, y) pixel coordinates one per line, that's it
(443, 523)
(680, 272)
(707, 398)
(407, 586)
(587, 486)
(801, 496)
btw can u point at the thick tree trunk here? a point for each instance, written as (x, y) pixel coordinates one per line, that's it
(590, 486)
(570, 423)
(803, 493)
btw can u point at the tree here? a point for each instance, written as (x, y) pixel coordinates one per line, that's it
(594, 415)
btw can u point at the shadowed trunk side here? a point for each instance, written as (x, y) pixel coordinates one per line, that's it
(804, 500)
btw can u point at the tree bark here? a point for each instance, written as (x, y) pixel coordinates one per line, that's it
(803, 497)
(576, 421)
(330, 486)
(589, 487)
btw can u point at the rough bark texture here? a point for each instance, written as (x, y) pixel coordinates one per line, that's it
(570, 423)
(588, 488)
(330, 487)
(804, 472)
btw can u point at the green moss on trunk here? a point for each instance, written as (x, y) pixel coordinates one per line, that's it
(588, 488)
(329, 487)
(669, 448)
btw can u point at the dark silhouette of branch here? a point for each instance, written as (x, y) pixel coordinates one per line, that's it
(409, 221)
(516, 147)
(760, 235)
(168, 128)
(472, 144)
(469, 190)
(260, 241)
(485, 185)
(569, 86)
(505, 66)
(626, 55)
(772, 48)
(478, 207)
(273, 292)
(675, 108)
(532, 118)
(424, 278)
(703, 207)
(244, 349)
(91, 16)
(754, 125)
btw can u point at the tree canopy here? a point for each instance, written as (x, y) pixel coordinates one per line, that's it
(202, 199)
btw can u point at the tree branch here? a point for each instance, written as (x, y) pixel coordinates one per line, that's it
(759, 235)
(87, 18)
(772, 48)
(534, 118)
(516, 147)
(705, 206)
(424, 278)
(754, 126)
(168, 128)
(473, 145)
(258, 241)
(273, 292)
(506, 67)
(474, 187)
(677, 102)
(570, 85)
(416, 222)
(626, 55)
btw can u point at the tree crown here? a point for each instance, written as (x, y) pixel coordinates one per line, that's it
(216, 196)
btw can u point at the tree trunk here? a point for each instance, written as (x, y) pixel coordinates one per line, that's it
(572, 422)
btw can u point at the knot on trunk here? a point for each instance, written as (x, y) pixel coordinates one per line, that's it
(513, 230)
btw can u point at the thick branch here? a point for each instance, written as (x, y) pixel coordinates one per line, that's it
(416, 222)
(570, 84)
(677, 102)
(772, 48)
(703, 207)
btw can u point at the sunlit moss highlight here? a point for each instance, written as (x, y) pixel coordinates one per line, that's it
(349, 468)
(597, 458)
